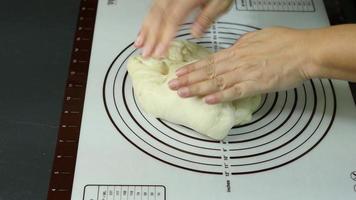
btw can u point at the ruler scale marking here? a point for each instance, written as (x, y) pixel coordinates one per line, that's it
(62, 175)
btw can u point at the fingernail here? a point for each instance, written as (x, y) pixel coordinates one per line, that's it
(211, 99)
(146, 51)
(183, 92)
(159, 51)
(173, 84)
(181, 71)
(138, 42)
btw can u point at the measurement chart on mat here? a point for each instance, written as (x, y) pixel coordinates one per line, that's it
(276, 5)
(124, 192)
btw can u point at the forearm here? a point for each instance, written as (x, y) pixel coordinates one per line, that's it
(334, 52)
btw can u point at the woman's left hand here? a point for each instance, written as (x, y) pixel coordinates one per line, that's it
(165, 16)
(259, 62)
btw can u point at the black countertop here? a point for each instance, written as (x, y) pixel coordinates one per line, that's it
(36, 38)
(35, 44)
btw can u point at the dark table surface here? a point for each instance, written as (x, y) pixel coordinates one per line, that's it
(35, 44)
(36, 39)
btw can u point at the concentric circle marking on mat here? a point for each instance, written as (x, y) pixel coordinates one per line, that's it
(285, 127)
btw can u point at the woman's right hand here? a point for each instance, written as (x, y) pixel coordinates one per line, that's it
(165, 16)
(268, 60)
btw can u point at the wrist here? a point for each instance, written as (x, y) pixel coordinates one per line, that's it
(313, 50)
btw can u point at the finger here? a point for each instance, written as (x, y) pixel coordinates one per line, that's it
(140, 38)
(218, 83)
(151, 39)
(168, 34)
(149, 44)
(200, 89)
(153, 25)
(237, 91)
(144, 31)
(211, 11)
(175, 15)
(209, 61)
(203, 88)
(225, 68)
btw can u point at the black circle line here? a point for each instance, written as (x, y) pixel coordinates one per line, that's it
(190, 39)
(295, 137)
(227, 38)
(133, 96)
(256, 111)
(138, 147)
(280, 112)
(261, 105)
(296, 158)
(228, 43)
(238, 29)
(184, 29)
(203, 42)
(243, 30)
(186, 34)
(192, 137)
(186, 24)
(279, 126)
(263, 116)
(142, 128)
(243, 25)
(314, 109)
(300, 116)
(228, 23)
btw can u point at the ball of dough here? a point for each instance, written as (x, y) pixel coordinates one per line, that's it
(150, 79)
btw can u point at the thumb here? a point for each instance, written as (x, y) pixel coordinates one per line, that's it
(211, 10)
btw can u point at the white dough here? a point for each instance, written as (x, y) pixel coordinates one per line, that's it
(150, 81)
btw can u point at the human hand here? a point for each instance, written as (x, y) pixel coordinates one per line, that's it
(165, 16)
(262, 61)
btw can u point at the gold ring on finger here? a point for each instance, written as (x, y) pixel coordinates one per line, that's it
(210, 71)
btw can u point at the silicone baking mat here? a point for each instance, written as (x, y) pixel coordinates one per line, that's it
(299, 145)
